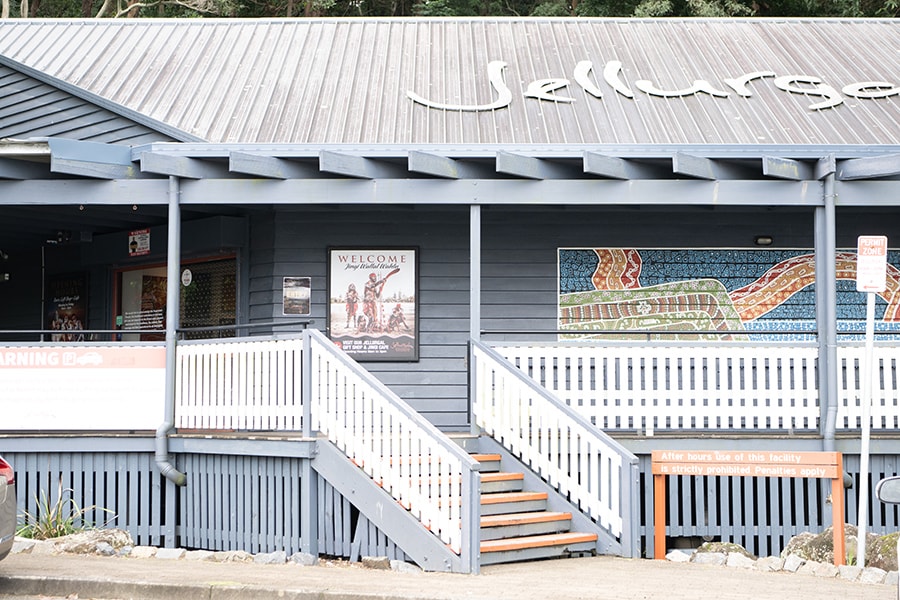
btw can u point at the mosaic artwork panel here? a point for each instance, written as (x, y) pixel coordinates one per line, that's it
(735, 294)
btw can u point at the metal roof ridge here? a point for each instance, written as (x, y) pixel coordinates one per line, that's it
(475, 18)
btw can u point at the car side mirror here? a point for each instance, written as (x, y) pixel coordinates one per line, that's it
(888, 490)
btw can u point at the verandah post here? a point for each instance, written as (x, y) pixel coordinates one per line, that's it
(309, 489)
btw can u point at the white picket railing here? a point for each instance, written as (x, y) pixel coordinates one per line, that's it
(560, 445)
(256, 385)
(728, 387)
(430, 475)
(885, 406)
(241, 384)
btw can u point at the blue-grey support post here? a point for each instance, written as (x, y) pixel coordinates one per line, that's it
(309, 496)
(826, 301)
(474, 298)
(470, 548)
(631, 509)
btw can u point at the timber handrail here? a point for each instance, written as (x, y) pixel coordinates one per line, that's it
(425, 471)
(565, 449)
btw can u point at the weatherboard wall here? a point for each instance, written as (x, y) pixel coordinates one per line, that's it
(519, 284)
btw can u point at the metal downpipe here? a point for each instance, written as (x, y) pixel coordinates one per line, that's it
(829, 296)
(173, 265)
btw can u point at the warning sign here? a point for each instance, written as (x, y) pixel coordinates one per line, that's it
(139, 242)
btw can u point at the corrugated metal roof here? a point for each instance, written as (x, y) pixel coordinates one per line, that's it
(345, 81)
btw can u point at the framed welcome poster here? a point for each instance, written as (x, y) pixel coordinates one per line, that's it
(373, 302)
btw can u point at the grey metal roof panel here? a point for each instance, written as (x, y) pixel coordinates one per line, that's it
(32, 109)
(345, 81)
(34, 104)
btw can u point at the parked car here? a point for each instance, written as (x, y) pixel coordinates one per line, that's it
(7, 507)
(888, 491)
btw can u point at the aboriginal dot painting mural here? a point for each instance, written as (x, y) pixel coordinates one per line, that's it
(671, 294)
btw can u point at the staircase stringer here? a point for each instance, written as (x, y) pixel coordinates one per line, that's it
(401, 527)
(607, 543)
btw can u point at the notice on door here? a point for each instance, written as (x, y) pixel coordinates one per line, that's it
(139, 242)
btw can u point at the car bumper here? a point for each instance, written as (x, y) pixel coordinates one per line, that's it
(7, 518)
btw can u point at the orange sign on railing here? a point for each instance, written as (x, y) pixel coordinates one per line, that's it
(741, 463)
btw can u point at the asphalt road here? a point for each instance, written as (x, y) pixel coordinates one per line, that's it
(597, 578)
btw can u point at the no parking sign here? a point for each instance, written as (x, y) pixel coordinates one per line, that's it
(871, 276)
(871, 263)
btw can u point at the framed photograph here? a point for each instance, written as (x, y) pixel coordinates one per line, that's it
(66, 306)
(295, 296)
(373, 311)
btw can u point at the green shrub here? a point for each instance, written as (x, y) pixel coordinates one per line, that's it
(56, 519)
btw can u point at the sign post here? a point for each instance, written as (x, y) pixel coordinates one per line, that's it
(871, 277)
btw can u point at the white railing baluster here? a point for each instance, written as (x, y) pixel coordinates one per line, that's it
(412, 461)
(757, 387)
(564, 448)
(239, 384)
(650, 387)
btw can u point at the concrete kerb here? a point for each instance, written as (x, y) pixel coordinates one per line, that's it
(151, 573)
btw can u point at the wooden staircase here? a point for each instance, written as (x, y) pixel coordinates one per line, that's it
(515, 523)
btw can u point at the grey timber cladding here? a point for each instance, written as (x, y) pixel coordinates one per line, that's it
(33, 109)
(437, 385)
(347, 81)
(258, 499)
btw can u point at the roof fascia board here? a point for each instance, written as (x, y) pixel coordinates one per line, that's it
(154, 191)
(118, 109)
(876, 193)
(510, 192)
(473, 151)
(73, 192)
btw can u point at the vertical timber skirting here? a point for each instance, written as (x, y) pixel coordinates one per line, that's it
(761, 514)
(116, 488)
(252, 501)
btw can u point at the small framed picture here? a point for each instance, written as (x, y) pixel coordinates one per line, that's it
(295, 296)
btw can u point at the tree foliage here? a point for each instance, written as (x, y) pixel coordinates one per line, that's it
(449, 8)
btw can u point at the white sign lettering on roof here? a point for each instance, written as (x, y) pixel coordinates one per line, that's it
(546, 89)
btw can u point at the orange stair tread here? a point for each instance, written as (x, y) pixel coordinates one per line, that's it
(501, 497)
(537, 541)
(526, 518)
(492, 477)
(485, 457)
